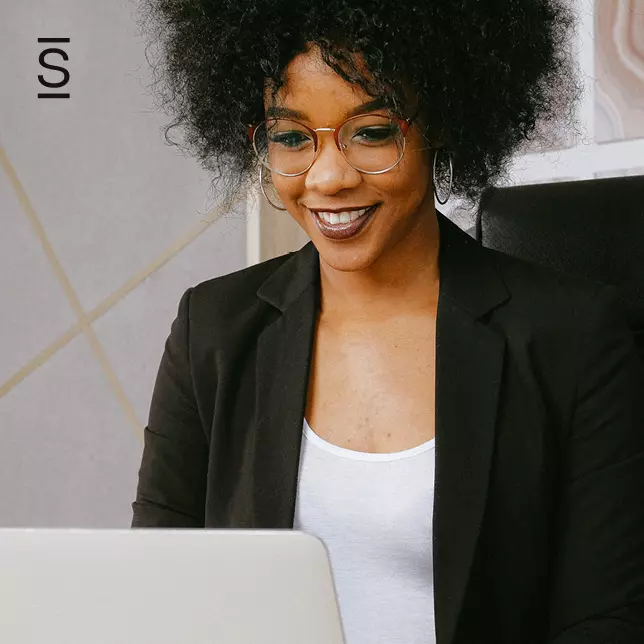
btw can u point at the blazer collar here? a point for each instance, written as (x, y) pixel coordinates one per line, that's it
(468, 278)
(469, 366)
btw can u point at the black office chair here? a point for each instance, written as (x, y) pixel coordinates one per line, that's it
(592, 229)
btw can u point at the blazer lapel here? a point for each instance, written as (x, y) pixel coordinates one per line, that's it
(469, 363)
(469, 366)
(284, 352)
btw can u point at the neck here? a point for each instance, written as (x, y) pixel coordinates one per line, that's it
(403, 280)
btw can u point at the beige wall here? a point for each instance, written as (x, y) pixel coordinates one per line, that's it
(103, 228)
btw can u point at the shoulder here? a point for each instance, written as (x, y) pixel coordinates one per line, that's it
(242, 283)
(230, 301)
(542, 295)
(560, 331)
(555, 322)
(523, 291)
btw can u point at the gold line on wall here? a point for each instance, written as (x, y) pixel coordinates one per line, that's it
(144, 273)
(101, 309)
(109, 302)
(40, 359)
(68, 289)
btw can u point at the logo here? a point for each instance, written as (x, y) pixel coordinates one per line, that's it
(43, 63)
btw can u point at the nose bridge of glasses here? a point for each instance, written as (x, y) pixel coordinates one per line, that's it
(336, 137)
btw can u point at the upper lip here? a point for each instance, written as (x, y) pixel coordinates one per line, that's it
(347, 209)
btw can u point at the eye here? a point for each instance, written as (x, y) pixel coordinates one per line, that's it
(292, 140)
(375, 134)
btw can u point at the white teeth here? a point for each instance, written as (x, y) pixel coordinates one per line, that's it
(342, 217)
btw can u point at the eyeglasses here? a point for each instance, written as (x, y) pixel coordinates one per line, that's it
(371, 143)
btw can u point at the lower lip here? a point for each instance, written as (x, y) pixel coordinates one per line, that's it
(344, 231)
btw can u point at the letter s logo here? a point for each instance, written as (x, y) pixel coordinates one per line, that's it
(44, 63)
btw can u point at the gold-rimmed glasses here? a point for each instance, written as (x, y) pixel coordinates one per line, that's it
(371, 143)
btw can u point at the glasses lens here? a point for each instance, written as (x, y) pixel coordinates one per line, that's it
(284, 146)
(372, 143)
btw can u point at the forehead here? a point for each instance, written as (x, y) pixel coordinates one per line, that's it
(314, 90)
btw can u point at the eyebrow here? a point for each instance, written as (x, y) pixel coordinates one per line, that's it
(287, 113)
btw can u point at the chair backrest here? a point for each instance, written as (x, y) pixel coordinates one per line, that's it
(592, 229)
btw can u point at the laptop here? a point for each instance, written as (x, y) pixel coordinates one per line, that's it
(149, 586)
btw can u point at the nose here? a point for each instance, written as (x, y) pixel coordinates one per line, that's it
(330, 171)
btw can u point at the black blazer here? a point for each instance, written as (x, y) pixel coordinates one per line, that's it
(539, 500)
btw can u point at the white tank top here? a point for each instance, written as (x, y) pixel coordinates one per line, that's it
(374, 514)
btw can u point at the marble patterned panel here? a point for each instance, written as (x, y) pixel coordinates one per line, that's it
(619, 70)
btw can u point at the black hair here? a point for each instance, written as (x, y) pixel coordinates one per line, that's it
(486, 73)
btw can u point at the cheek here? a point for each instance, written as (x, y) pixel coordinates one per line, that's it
(288, 188)
(408, 182)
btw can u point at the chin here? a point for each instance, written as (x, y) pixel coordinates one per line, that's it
(347, 259)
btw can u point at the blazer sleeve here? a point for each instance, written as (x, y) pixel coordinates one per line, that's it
(598, 591)
(172, 478)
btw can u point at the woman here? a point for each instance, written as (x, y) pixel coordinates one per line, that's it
(461, 429)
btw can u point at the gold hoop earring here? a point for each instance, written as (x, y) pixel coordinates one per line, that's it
(261, 187)
(451, 176)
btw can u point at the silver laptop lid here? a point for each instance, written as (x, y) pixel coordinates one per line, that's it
(165, 587)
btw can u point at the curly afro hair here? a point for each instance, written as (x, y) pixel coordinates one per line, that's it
(485, 73)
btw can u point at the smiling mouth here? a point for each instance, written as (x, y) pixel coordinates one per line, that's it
(343, 230)
(343, 217)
